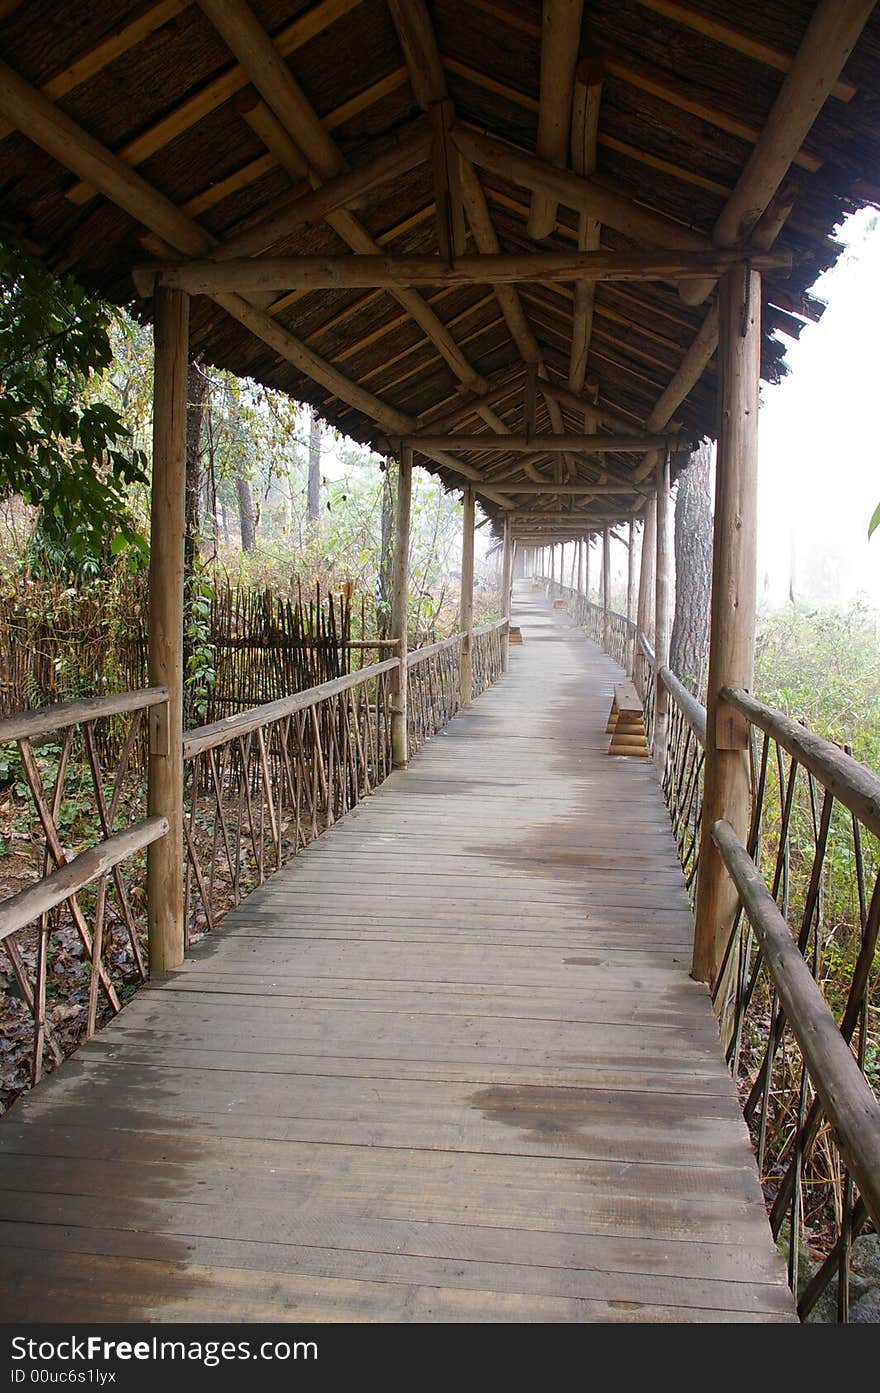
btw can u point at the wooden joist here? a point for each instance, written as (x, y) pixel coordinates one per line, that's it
(560, 46)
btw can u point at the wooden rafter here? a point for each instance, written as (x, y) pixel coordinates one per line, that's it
(560, 50)
(38, 118)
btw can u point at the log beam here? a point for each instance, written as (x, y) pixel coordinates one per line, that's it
(248, 276)
(539, 444)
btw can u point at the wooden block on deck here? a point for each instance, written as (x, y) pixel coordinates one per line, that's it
(558, 603)
(515, 634)
(626, 724)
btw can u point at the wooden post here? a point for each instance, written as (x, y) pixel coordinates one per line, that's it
(165, 909)
(506, 582)
(399, 599)
(606, 586)
(580, 579)
(552, 569)
(661, 609)
(631, 590)
(587, 543)
(645, 610)
(732, 635)
(573, 565)
(466, 619)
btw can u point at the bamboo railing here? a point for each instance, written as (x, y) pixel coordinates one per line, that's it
(78, 907)
(262, 784)
(799, 981)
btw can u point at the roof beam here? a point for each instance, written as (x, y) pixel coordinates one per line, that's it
(428, 75)
(540, 444)
(584, 137)
(365, 270)
(552, 490)
(41, 121)
(721, 33)
(828, 42)
(250, 43)
(583, 195)
(560, 46)
(106, 51)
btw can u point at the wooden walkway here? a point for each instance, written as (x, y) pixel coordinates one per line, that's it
(448, 1065)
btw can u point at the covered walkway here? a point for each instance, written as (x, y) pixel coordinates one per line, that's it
(447, 1065)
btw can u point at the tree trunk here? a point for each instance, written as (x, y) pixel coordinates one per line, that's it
(245, 512)
(313, 497)
(689, 646)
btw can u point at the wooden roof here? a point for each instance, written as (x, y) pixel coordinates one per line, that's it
(682, 91)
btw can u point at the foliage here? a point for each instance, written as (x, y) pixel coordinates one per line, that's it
(63, 450)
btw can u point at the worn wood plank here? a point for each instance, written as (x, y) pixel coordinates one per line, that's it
(448, 1065)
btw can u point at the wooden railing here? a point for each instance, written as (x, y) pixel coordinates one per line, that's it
(78, 906)
(798, 991)
(487, 654)
(434, 678)
(260, 785)
(434, 688)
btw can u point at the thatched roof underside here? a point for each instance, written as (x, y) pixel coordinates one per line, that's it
(686, 88)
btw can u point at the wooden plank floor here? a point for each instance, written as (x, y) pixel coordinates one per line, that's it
(448, 1065)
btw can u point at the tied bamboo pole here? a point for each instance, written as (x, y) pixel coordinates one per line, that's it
(165, 640)
(399, 599)
(732, 633)
(466, 621)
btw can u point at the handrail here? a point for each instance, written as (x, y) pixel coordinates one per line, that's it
(846, 1096)
(418, 655)
(647, 650)
(488, 628)
(693, 712)
(45, 720)
(26, 906)
(208, 737)
(852, 784)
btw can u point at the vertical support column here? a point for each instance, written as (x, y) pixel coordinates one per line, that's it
(165, 907)
(466, 618)
(645, 610)
(506, 582)
(631, 592)
(606, 587)
(552, 570)
(580, 579)
(732, 635)
(587, 540)
(661, 609)
(399, 604)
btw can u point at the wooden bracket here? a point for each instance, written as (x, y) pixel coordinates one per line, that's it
(731, 728)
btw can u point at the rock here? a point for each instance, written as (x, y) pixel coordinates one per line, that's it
(865, 1259)
(866, 1311)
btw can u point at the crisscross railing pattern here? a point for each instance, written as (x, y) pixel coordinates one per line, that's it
(79, 917)
(262, 784)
